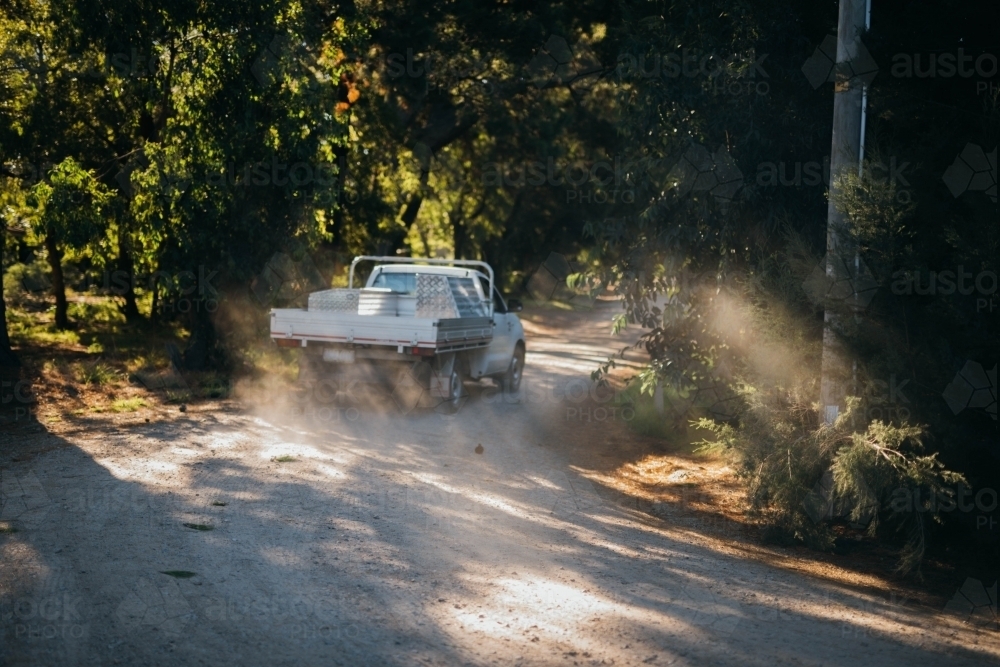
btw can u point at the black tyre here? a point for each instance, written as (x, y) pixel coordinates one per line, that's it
(456, 390)
(512, 378)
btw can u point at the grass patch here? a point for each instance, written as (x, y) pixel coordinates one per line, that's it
(27, 329)
(286, 459)
(98, 373)
(128, 404)
(179, 574)
(198, 526)
(86, 308)
(175, 397)
(215, 387)
(219, 504)
(7, 528)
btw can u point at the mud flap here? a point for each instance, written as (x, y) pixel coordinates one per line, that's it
(441, 376)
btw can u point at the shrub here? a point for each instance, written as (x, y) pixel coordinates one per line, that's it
(799, 474)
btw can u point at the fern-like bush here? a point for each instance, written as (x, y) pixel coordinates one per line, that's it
(800, 474)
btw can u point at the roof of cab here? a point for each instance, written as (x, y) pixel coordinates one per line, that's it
(429, 269)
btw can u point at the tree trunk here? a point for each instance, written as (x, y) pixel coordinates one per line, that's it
(131, 308)
(459, 235)
(153, 315)
(7, 357)
(336, 226)
(58, 282)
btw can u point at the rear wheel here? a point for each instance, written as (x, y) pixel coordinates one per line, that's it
(455, 389)
(512, 378)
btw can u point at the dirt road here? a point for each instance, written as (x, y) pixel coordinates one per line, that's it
(235, 534)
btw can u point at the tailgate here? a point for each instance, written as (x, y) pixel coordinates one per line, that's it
(292, 324)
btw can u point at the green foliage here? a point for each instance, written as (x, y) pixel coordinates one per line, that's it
(882, 461)
(71, 205)
(18, 275)
(782, 455)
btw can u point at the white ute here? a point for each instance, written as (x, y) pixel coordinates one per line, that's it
(426, 324)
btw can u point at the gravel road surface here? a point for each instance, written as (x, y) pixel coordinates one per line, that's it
(272, 531)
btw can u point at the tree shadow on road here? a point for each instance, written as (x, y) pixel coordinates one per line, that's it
(385, 540)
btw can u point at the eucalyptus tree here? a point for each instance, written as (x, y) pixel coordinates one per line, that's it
(69, 213)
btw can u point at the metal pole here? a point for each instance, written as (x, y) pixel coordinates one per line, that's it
(849, 101)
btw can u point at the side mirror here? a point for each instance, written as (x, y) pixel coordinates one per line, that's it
(515, 306)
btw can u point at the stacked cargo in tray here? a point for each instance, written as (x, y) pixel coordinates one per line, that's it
(436, 297)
